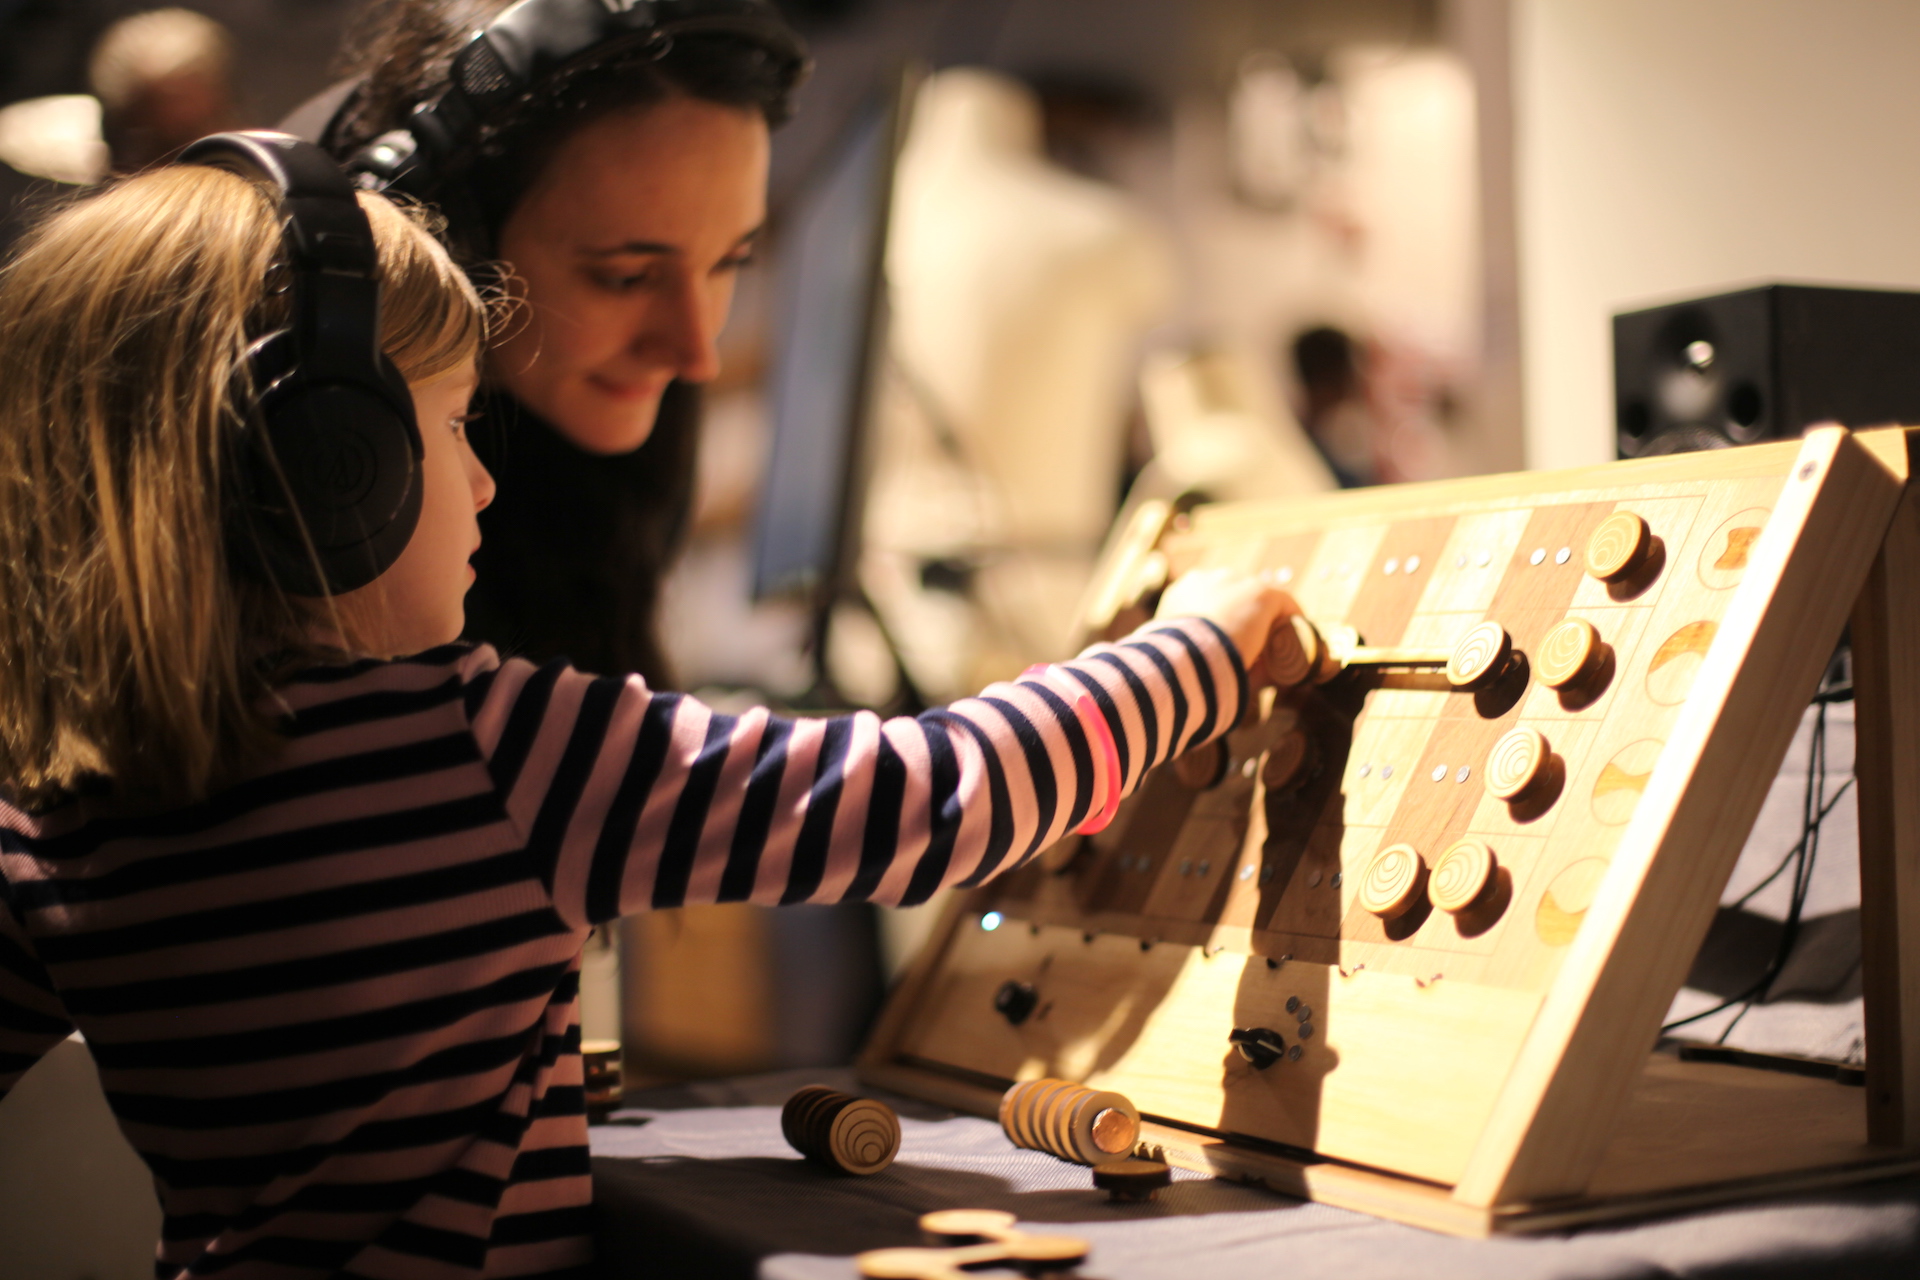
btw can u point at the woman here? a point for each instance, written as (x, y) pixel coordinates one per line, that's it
(623, 185)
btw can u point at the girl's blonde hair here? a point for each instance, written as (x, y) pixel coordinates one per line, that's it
(131, 657)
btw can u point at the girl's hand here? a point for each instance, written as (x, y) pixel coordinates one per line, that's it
(1244, 605)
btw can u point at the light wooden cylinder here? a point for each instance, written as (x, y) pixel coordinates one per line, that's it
(1087, 1126)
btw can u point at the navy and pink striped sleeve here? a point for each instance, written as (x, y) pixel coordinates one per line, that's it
(32, 1019)
(634, 799)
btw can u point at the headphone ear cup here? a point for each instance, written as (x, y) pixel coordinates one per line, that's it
(330, 479)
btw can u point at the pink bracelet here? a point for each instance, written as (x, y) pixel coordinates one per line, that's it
(1101, 736)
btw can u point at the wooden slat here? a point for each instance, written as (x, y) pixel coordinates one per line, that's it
(1886, 675)
(1560, 1102)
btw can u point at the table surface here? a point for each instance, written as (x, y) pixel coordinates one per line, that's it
(697, 1181)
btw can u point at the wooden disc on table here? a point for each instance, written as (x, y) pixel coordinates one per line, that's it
(1202, 768)
(1045, 1253)
(1460, 876)
(1288, 763)
(902, 1264)
(965, 1226)
(1619, 547)
(840, 1131)
(1132, 1179)
(1480, 656)
(1294, 652)
(1570, 655)
(1516, 762)
(1392, 881)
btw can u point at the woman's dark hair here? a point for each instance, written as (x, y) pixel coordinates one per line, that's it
(401, 52)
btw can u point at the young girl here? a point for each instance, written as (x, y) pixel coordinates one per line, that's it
(318, 908)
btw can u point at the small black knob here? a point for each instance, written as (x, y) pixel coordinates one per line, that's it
(1258, 1045)
(1015, 1001)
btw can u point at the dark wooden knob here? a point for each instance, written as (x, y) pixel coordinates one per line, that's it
(1289, 762)
(1132, 1180)
(1203, 767)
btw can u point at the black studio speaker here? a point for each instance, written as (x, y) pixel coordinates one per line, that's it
(1763, 364)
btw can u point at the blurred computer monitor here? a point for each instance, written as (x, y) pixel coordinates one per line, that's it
(832, 342)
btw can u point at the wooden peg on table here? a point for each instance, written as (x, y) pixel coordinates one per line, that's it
(840, 1131)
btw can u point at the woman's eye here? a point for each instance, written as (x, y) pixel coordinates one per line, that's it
(739, 262)
(624, 283)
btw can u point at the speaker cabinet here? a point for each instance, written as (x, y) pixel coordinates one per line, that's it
(1763, 364)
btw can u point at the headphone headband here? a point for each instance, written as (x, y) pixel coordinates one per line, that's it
(327, 473)
(539, 43)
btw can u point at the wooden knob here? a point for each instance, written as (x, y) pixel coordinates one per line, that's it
(1392, 881)
(1480, 656)
(1570, 655)
(1294, 652)
(1288, 761)
(1516, 763)
(1460, 876)
(1132, 1179)
(1619, 547)
(1203, 767)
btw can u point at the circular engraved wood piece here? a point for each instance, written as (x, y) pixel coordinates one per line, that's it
(1569, 655)
(1286, 764)
(1480, 656)
(1618, 547)
(1460, 876)
(1294, 651)
(1391, 881)
(1516, 763)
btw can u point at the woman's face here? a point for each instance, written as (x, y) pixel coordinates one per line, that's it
(624, 252)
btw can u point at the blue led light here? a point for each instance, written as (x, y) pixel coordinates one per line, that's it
(991, 921)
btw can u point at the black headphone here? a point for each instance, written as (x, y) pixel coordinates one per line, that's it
(327, 481)
(537, 44)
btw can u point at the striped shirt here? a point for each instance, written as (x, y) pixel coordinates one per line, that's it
(334, 1006)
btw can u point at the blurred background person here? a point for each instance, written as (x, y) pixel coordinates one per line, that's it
(163, 78)
(1333, 404)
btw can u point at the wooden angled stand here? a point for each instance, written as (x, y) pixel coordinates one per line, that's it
(1405, 945)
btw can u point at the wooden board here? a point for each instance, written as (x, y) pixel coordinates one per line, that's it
(1492, 1055)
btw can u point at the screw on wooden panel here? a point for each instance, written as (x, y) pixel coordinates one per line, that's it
(1338, 876)
(1305, 1031)
(1303, 1014)
(1293, 1054)
(1293, 1004)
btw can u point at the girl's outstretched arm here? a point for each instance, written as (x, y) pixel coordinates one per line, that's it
(631, 799)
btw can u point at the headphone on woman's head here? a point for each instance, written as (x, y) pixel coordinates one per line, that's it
(328, 469)
(536, 44)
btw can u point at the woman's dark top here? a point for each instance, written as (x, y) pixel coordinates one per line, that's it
(575, 545)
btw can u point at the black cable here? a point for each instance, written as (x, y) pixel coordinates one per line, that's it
(1814, 809)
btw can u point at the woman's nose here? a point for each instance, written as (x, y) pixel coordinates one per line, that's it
(689, 333)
